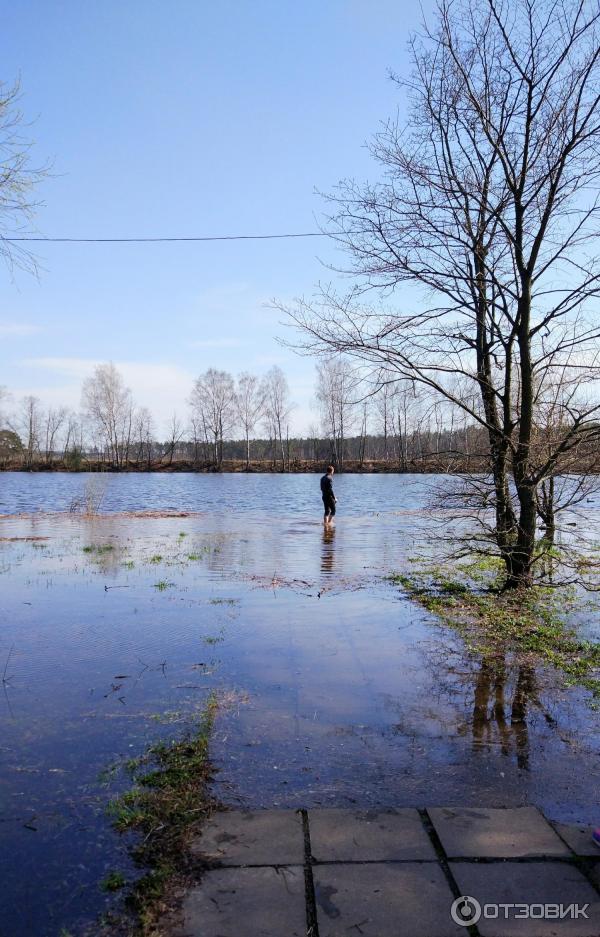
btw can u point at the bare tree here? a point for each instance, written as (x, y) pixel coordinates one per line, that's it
(54, 419)
(250, 406)
(364, 420)
(406, 404)
(213, 404)
(200, 438)
(143, 432)
(18, 179)
(383, 405)
(337, 392)
(574, 474)
(176, 433)
(107, 403)
(277, 409)
(488, 207)
(73, 446)
(27, 424)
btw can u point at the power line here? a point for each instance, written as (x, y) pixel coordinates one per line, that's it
(154, 240)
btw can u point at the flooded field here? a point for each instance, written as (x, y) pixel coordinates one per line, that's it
(334, 688)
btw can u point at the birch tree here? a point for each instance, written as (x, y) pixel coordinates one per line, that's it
(73, 444)
(143, 435)
(26, 422)
(383, 405)
(176, 432)
(54, 420)
(250, 399)
(213, 404)
(337, 390)
(108, 405)
(277, 410)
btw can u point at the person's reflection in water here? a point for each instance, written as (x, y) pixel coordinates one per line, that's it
(327, 550)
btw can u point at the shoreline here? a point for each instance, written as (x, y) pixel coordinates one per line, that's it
(428, 466)
(157, 514)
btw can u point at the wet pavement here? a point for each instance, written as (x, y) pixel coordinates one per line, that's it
(439, 872)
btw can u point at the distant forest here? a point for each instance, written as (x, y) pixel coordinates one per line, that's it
(247, 425)
(425, 451)
(242, 425)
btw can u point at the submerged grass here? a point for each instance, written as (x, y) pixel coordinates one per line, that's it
(531, 623)
(169, 797)
(163, 584)
(113, 882)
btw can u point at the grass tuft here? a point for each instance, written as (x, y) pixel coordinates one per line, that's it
(113, 881)
(530, 623)
(163, 584)
(169, 797)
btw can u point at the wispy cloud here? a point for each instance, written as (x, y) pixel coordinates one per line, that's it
(17, 329)
(164, 388)
(72, 367)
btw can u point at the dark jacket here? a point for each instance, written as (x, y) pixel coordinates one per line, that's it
(327, 488)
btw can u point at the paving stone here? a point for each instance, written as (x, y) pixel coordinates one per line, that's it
(579, 838)
(513, 833)
(384, 900)
(368, 835)
(529, 883)
(594, 873)
(261, 902)
(260, 837)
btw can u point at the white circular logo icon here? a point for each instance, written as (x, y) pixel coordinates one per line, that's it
(465, 910)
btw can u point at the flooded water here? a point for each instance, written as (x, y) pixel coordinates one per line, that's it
(281, 495)
(334, 688)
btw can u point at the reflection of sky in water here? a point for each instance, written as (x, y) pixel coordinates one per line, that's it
(336, 689)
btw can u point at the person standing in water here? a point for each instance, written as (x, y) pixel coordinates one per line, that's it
(329, 499)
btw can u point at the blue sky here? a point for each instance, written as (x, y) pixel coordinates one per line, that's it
(185, 118)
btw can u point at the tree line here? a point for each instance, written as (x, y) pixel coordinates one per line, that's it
(248, 420)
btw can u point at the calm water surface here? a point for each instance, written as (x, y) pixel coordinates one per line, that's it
(188, 491)
(335, 689)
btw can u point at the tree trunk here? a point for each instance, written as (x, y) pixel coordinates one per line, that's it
(547, 512)
(523, 552)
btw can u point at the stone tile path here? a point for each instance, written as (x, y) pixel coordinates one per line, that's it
(353, 873)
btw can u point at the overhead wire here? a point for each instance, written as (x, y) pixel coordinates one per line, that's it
(146, 240)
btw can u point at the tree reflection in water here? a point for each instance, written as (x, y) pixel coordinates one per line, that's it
(495, 700)
(503, 697)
